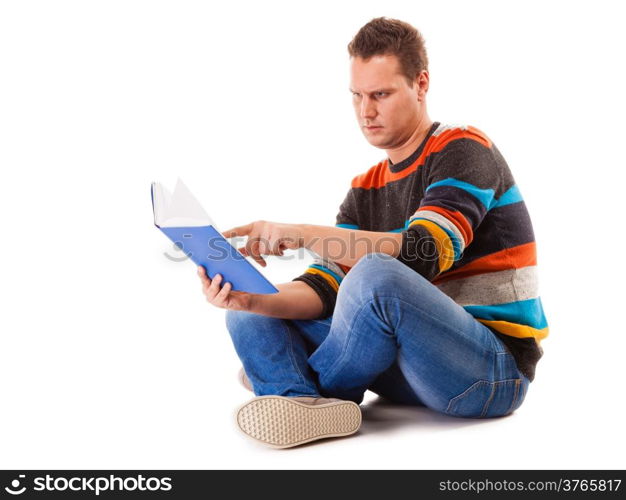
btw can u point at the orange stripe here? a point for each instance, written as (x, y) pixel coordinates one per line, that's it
(516, 329)
(332, 281)
(509, 258)
(345, 269)
(456, 217)
(379, 175)
(459, 133)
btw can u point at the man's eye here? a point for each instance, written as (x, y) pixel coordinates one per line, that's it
(381, 94)
(356, 94)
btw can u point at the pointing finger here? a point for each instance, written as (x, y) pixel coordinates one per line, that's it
(252, 249)
(238, 231)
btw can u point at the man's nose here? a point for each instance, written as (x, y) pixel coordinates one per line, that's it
(368, 108)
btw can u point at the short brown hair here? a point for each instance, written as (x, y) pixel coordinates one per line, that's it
(384, 36)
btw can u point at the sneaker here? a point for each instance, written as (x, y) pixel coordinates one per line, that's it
(282, 422)
(244, 380)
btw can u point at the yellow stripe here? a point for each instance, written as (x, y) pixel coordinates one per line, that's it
(332, 281)
(443, 243)
(517, 330)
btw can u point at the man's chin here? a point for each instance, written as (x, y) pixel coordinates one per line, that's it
(377, 142)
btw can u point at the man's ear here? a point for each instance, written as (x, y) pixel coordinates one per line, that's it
(422, 82)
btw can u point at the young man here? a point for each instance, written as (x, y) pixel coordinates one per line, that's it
(424, 292)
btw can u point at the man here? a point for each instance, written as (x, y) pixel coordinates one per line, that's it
(424, 292)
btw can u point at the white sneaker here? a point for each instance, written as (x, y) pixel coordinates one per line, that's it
(282, 422)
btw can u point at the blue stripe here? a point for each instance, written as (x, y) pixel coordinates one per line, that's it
(485, 196)
(406, 226)
(456, 245)
(513, 195)
(526, 312)
(347, 226)
(326, 270)
(400, 229)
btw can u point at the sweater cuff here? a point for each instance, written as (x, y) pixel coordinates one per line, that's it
(419, 252)
(325, 292)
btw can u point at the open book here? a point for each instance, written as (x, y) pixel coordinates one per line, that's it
(183, 220)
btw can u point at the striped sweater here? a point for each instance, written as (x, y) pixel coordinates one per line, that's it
(464, 227)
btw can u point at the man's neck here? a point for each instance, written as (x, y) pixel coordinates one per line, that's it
(402, 152)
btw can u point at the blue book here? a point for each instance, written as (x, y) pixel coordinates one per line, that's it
(183, 220)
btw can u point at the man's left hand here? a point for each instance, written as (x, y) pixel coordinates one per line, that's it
(267, 238)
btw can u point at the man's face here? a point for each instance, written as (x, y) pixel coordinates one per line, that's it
(387, 108)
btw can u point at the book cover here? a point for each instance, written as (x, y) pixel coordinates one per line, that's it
(183, 220)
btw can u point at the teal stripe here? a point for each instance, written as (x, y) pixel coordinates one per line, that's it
(526, 312)
(400, 229)
(512, 195)
(347, 226)
(485, 196)
(326, 270)
(455, 241)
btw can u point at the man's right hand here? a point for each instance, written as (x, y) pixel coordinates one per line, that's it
(223, 297)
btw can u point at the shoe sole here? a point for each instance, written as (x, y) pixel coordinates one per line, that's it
(281, 422)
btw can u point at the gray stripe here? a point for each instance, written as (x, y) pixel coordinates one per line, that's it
(329, 264)
(499, 287)
(442, 128)
(443, 222)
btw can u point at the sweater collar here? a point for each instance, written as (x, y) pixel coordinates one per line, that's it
(398, 167)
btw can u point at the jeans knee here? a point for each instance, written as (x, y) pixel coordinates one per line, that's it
(369, 265)
(373, 259)
(373, 272)
(251, 330)
(239, 323)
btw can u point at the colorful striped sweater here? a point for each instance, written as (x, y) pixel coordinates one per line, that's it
(464, 227)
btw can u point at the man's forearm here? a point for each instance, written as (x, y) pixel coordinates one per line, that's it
(347, 246)
(295, 300)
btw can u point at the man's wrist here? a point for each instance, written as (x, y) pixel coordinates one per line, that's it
(254, 304)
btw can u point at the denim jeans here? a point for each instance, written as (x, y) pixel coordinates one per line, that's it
(392, 332)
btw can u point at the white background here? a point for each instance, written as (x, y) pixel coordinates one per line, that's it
(110, 357)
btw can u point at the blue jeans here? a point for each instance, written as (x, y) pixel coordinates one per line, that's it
(392, 332)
